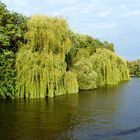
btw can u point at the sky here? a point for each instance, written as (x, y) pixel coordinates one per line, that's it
(117, 21)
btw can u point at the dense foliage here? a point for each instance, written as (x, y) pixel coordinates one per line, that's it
(86, 76)
(95, 62)
(41, 57)
(42, 71)
(110, 68)
(7, 75)
(12, 29)
(134, 67)
(100, 68)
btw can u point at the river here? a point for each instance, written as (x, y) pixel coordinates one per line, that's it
(111, 113)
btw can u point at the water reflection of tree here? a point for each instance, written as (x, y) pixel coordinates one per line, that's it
(98, 108)
(64, 117)
(52, 119)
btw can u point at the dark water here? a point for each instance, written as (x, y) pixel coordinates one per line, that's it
(103, 114)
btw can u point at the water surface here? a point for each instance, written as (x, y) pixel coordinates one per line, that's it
(102, 114)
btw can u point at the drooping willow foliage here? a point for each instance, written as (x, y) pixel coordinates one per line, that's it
(110, 68)
(71, 83)
(52, 60)
(41, 66)
(101, 68)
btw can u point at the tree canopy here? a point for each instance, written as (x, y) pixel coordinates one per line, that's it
(42, 71)
(41, 57)
(12, 29)
(134, 67)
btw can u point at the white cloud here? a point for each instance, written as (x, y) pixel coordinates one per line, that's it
(21, 3)
(74, 9)
(96, 17)
(122, 6)
(104, 14)
(131, 13)
(102, 26)
(66, 2)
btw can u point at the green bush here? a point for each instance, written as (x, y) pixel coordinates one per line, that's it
(86, 76)
(7, 74)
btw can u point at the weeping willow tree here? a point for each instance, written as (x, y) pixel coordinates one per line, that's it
(71, 83)
(54, 60)
(100, 68)
(40, 63)
(110, 68)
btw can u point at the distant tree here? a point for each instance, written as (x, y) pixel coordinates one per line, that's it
(134, 67)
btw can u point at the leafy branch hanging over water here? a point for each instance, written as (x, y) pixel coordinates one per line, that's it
(52, 60)
(42, 72)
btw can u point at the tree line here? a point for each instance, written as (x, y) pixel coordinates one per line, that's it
(134, 67)
(40, 56)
